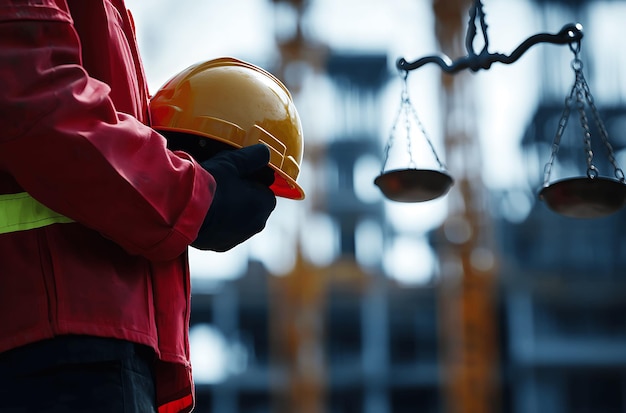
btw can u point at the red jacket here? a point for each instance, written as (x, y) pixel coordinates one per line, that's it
(73, 136)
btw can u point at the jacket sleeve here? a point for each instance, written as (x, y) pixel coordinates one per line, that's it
(64, 142)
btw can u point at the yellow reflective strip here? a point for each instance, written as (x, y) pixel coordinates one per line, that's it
(21, 212)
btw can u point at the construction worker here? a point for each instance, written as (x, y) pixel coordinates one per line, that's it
(96, 215)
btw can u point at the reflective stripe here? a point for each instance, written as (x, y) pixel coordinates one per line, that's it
(21, 212)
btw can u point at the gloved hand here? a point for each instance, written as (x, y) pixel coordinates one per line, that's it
(243, 200)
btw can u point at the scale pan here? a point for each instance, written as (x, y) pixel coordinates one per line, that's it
(584, 197)
(413, 185)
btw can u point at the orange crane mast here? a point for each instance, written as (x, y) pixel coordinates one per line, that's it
(467, 297)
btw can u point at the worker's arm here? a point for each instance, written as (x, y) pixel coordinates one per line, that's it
(64, 142)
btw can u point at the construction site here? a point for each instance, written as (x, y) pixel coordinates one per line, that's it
(492, 293)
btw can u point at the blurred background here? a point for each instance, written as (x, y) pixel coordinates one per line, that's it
(483, 300)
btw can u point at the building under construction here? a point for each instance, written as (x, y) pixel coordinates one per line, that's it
(523, 310)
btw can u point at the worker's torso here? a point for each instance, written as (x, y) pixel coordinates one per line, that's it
(63, 278)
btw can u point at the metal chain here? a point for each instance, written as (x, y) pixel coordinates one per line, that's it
(423, 130)
(409, 111)
(619, 173)
(390, 138)
(406, 103)
(581, 91)
(547, 170)
(592, 171)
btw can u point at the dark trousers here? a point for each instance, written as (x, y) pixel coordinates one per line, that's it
(77, 374)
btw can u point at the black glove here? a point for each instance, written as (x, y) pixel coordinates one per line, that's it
(243, 200)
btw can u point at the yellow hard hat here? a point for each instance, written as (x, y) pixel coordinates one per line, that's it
(228, 103)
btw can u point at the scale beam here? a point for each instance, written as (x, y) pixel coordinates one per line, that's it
(569, 34)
